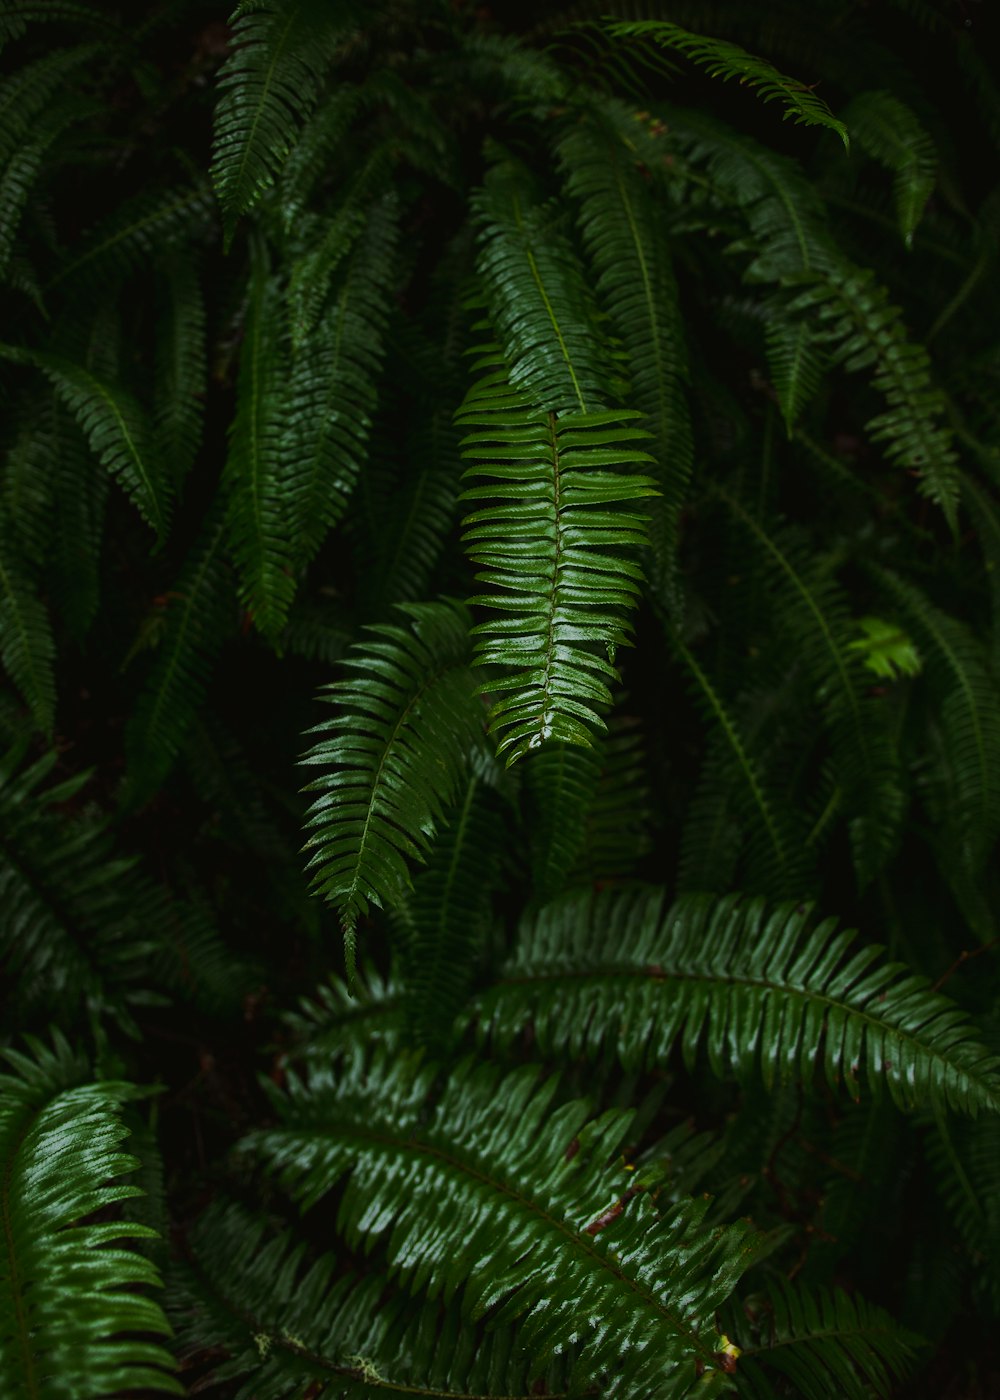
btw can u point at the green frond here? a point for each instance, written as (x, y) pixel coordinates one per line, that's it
(27, 649)
(75, 1321)
(285, 1318)
(443, 928)
(114, 425)
(337, 1020)
(621, 229)
(619, 822)
(80, 498)
(963, 1158)
(809, 602)
(890, 133)
(795, 363)
(18, 14)
(767, 989)
(540, 305)
(28, 92)
(191, 623)
(964, 687)
(395, 751)
(267, 87)
(827, 1345)
(310, 159)
(491, 1193)
(141, 229)
(27, 164)
(560, 785)
(726, 60)
(332, 392)
(181, 367)
(984, 511)
(548, 537)
(861, 330)
(256, 473)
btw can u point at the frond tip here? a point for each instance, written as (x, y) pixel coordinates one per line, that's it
(554, 556)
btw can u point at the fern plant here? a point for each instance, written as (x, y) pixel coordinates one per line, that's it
(499, 737)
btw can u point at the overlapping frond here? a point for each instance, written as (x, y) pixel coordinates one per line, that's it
(27, 648)
(824, 1343)
(285, 1318)
(765, 988)
(494, 1194)
(77, 1319)
(395, 751)
(553, 539)
(268, 85)
(890, 133)
(180, 369)
(726, 60)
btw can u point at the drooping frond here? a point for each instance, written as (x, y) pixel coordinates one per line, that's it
(27, 649)
(549, 539)
(285, 1318)
(560, 784)
(766, 988)
(809, 602)
(726, 60)
(256, 468)
(795, 362)
(26, 165)
(188, 627)
(28, 92)
(268, 85)
(541, 308)
(505, 1201)
(635, 279)
(77, 1317)
(890, 133)
(824, 1343)
(80, 499)
(443, 927)
(180, 369)
(395, 750)
(115, 427)
(956, 667)
(964, 1157)
(332, 390)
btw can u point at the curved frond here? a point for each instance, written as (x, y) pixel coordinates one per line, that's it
(27, 649)
(890, 133)
(114, 425)
(825, 1344)
(284, 1318)
(267, 87)
(493, 1194)
(766, 988)
(395, 751)
(725, 60)
(76, 1314)
(180, 368)
(549, 539)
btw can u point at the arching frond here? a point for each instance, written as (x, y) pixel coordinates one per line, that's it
(725, 60)
(396, 749)
(114, 425)
(268, 85)
(550, 540)
(285, 1319)
(890, 133)
(635, 279)
(61, 1159)
(500, 1198)
(824, 1343)
(768, 990)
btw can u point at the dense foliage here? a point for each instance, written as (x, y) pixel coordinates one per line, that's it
(581, 425)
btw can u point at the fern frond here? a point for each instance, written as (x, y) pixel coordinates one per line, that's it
(75, 1320)
(180, 368)
(80, 497)
(963, 1157)
(726, 60)
(28, 92)
(193, 622)
(396, 749)
(825, 1344)
(114, 425)
(890, 133)
(970, 713)
(337, 1020)
(27, 163)
(484, 1193)
(819, 626)
(27, 649)
(332, 390)
(444, 926)
(285, 1319)
(766, 988)
(541, 308)
(256, 470)
(560, 785)
(621, 229)
(268, 85)
(795, 363)
(549, 539)
(321, 138)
